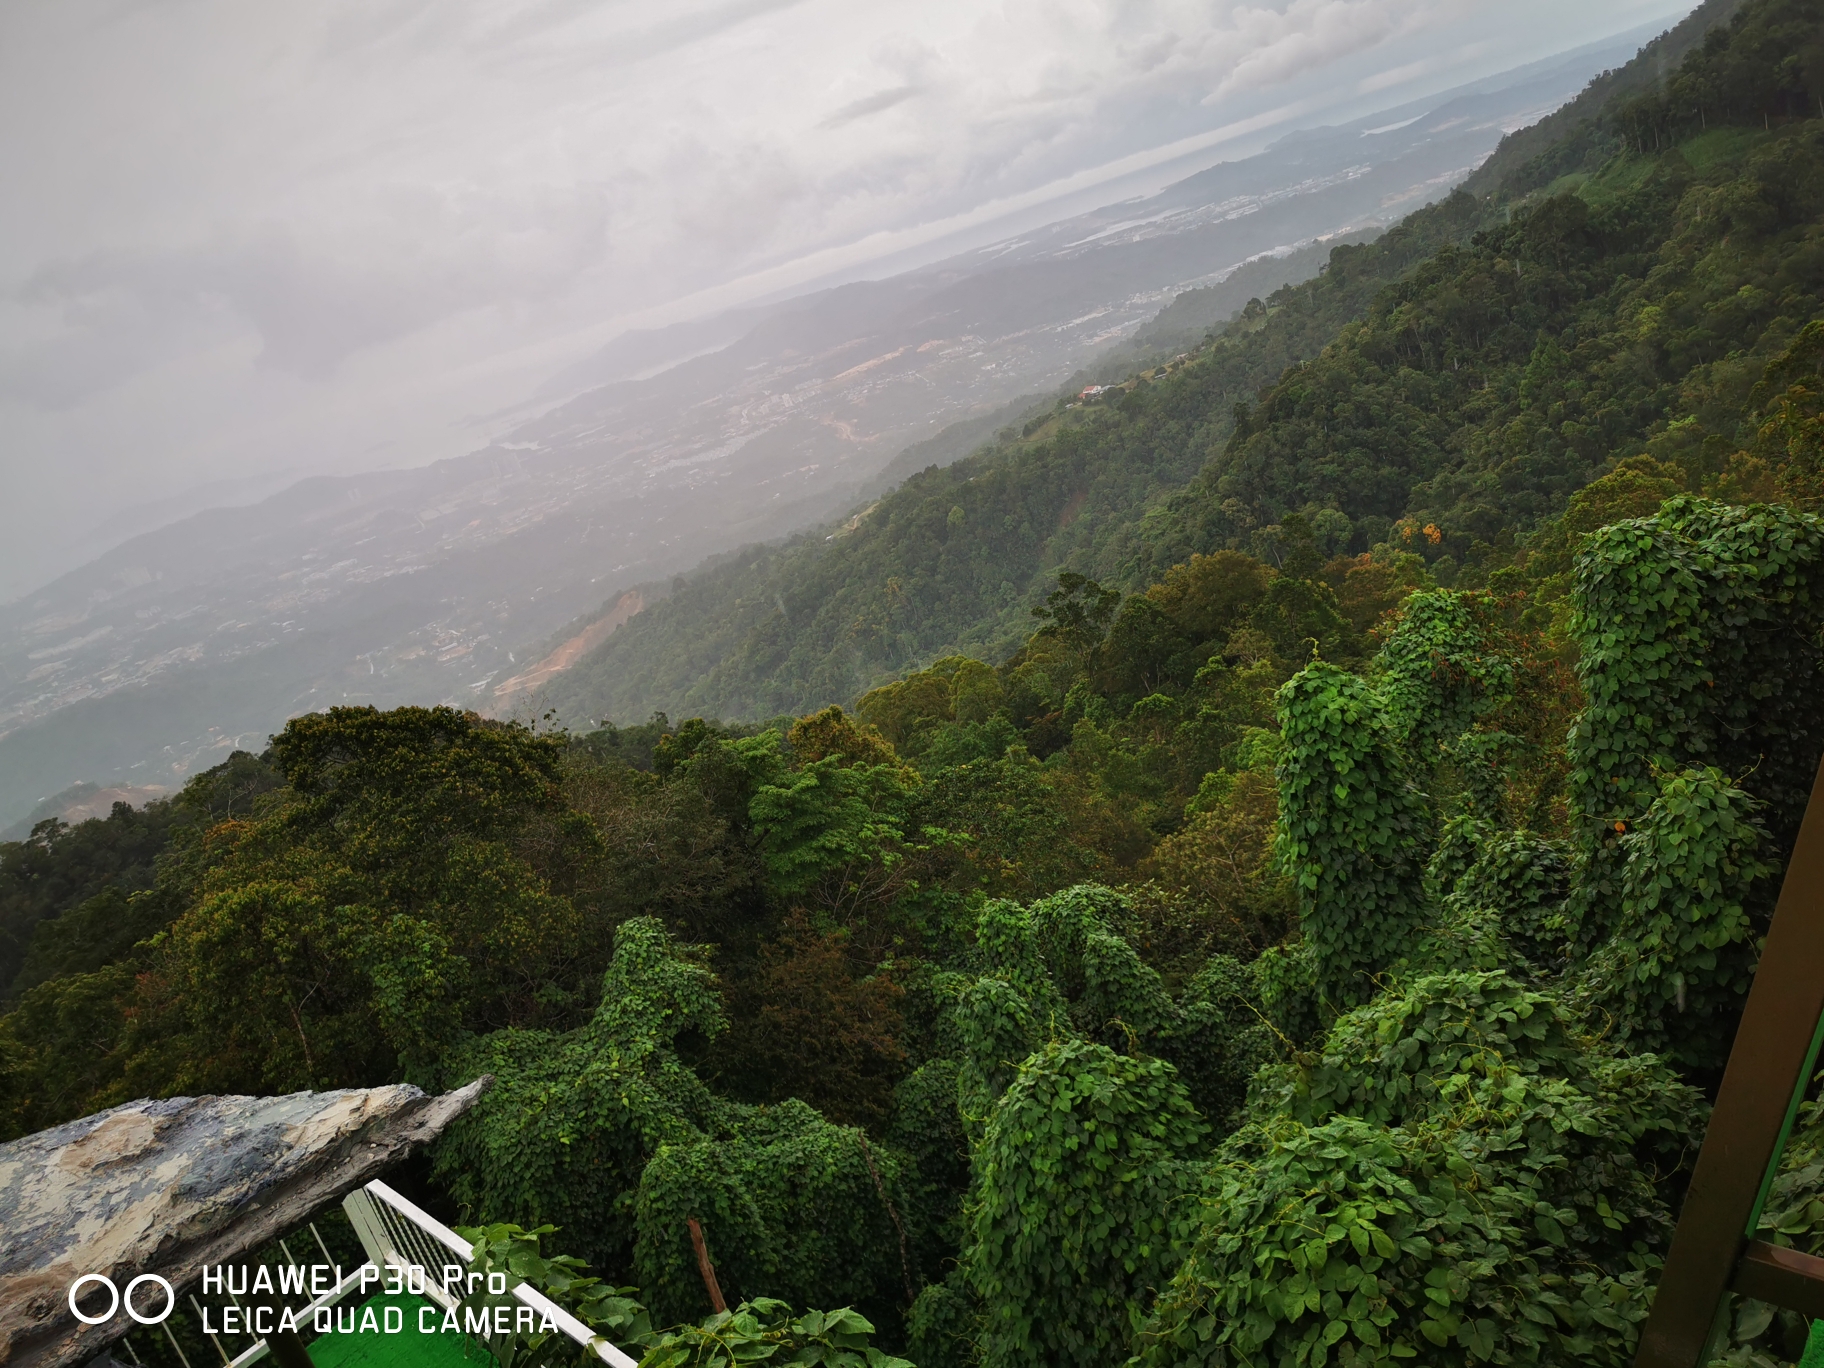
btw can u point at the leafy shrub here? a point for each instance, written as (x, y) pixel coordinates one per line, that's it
(613, 1313)
(1676, 970)
(1458, 1175)
(1351, 828)
(788, 1203)
(1699, 630)
(609, 1131)
(1077, 1209)
(945, 1325)
(1439, 670)
(765, 1330)
(567, 1128)
(1354, 1243)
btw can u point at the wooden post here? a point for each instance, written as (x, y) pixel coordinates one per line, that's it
(288, 1349)
(1714, 1251)
(705, 1267)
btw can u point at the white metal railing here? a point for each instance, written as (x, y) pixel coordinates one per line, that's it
(398, 1234)
(307, 1315)
(304, 1314)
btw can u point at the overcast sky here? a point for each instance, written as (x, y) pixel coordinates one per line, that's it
(243, 240)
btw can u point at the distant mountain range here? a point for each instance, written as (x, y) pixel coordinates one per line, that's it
(476, 580)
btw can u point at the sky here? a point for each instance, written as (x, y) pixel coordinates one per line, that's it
(242, 243)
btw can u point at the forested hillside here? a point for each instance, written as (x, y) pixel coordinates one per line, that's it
(1319, 948)
(1581, 133)
(956, 556)
(1432, 389)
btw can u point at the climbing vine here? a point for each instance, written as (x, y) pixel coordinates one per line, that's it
(788, 1203)
(1079, 1206)
(1699, 634)
(1440, 671)
(1456, 1176)
(611, 1120)
(765, 1329)
(1678, 966)
(1352, 827)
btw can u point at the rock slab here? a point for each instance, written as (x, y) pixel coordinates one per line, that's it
(172, 1185)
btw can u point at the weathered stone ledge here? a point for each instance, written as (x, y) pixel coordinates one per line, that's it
(170, 1186)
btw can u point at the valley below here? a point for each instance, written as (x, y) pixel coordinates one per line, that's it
(460, 581)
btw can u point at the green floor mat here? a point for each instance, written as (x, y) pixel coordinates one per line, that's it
(405, 1349)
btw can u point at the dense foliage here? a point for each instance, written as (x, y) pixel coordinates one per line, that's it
(764, 1329)
(1311, 936)
(87, 874)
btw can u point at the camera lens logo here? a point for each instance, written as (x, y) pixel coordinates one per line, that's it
(118, 1299)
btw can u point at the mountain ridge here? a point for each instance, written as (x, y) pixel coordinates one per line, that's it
(437, 583)
(787, 631)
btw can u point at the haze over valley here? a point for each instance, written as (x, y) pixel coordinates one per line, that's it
(473, 579)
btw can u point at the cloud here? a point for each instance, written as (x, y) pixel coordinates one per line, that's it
(677, 30)
(869, 104)
(339, 178)
(225, 220)
(1278, 44)
(1443, 61)
(310, 301)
